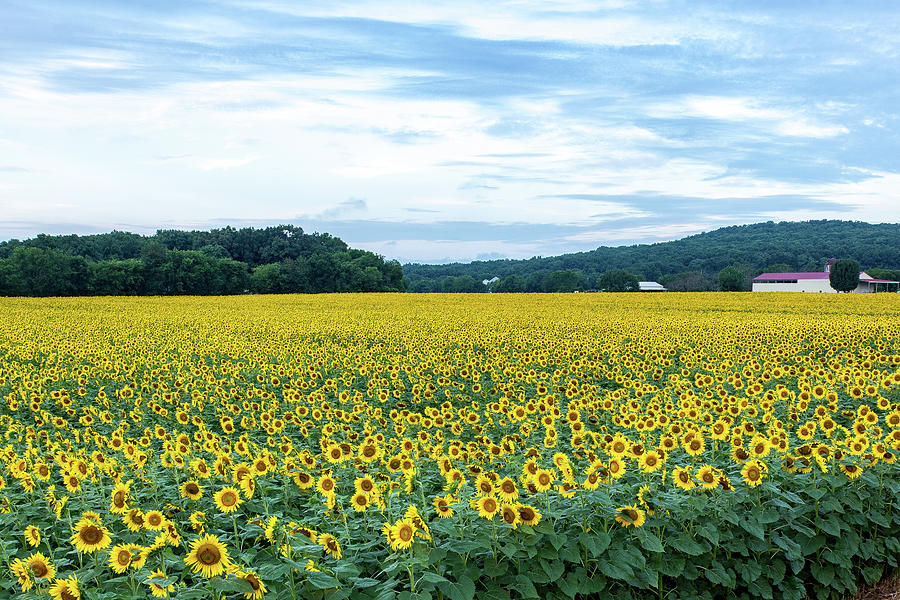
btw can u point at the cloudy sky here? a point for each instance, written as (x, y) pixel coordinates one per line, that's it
(430, 131)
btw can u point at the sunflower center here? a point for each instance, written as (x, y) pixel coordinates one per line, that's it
(192, 488)
(39, 569)
(209, 555)
(123, 557)
(229, 498)
(91, 535)
(406, 533)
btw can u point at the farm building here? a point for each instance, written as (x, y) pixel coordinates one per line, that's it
(818, 282)
(650, 286)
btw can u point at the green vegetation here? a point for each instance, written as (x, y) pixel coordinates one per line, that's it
(692, 263)
(278, 259)
(844, 275)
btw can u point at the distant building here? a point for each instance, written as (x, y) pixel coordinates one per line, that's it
(818, 282)
(650, 286)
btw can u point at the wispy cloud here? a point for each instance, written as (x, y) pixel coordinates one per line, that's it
(508, 128)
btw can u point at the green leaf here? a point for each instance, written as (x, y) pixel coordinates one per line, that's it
(649, 541)
(672, 565)
(232, 584)
(461, 589)
(716, 573)
(710, 532)
(753, 528)
(615, 570)
(432, 577)
(824, 573)
(553, 568)
(321, 581)
(812, 545)
(831, 526)
(688, 545)
(363, 582)
(595, 542)
(525, 587)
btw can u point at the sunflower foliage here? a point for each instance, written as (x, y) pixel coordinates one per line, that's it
(381, 446)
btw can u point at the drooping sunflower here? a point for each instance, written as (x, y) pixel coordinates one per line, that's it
(157, 588)
(32, 536)
(90, 536)
(510, 515)
(442, 506)
(682, 478)
(529, 514)
(118, 503)
(192, 490)
(630, 516)
(330, 544)
(227, 499)
(65, 589)
(259, 588)
(208, 556)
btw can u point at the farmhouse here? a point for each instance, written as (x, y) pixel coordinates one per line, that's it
(818, 282)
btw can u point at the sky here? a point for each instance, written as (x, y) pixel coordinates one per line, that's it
(436, 132)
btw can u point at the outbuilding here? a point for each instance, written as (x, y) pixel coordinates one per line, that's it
(818, 282)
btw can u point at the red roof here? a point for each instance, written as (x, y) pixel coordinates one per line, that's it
(816, 275)
(780, 276)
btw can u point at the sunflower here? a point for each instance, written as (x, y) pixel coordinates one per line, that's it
(851, 471)
(40, 566)
(630, 516)
(134, 519)
(708, 477)
(616, 468)
(157, 588)
(208, 556)
(487, 507)
(682, 477)
(331, 545)
(90, 536)
(510, 515)
(507, 490)
(32, 536)
(154, 520)
(22, 574)
(118, 503)
(754, 472)
(326, 485)
(401, 534)
(227, 499)
(120, 557)
(442, 506)
(65, 589)
(529, 514)
(543, 480)
(192, 490)
(259, 588)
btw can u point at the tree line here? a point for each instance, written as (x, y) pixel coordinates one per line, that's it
(281, 259)
(724, 259)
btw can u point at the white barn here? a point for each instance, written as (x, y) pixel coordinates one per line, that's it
(818, 282)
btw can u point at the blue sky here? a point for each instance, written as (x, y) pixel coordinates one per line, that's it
(448, 131)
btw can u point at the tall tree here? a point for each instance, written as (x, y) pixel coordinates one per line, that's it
(844, 275)
(618, 280)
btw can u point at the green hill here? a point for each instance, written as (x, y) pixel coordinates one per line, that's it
(689, 263)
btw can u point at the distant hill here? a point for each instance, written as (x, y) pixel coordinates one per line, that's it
(689, 263)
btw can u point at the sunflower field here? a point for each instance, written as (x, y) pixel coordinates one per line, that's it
(447, 446)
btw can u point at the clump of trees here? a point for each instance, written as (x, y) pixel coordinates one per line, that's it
(280, 259)
(844, 275)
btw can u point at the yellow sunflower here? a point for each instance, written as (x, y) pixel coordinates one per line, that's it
(259, 588)
(208, 556)
(120, 557)
(90, 536)
(331, 545)
(192, 490)
(65, 589)
(32, 536)
(401, 534)
(227, 499)
(157, 587)
(630, 516)
(40, 566)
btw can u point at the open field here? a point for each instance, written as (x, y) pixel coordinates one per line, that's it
(367, 446)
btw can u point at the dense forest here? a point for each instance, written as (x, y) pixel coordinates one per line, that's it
(278, 259)
(694, 263)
